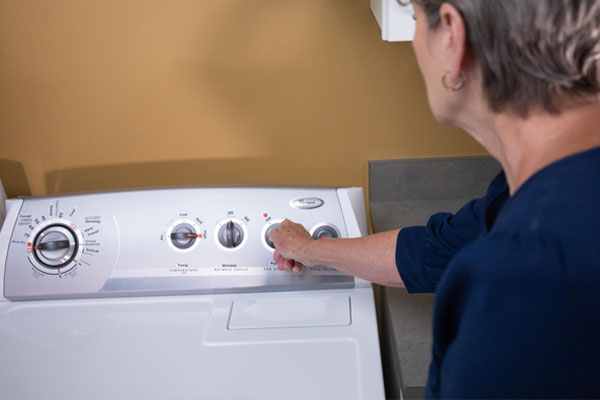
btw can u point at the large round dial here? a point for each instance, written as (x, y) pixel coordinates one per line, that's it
(55, 246)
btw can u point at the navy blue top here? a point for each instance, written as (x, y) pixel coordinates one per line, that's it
(517, 282)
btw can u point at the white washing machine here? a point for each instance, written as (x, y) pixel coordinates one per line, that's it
(173, 294)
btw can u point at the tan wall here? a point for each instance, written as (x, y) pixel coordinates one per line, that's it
(99, 94)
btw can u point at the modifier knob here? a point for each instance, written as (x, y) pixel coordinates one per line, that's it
(231, 235)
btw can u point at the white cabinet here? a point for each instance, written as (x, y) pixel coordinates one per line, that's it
(395, 18)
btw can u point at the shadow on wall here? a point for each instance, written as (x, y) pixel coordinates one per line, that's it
(230, 172)
(14, 179)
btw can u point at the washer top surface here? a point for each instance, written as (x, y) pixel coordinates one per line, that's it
(189, 347)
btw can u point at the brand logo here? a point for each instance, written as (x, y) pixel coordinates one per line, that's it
(307, 203)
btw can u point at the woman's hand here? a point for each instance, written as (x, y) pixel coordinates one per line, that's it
(370, 257)
(292, 244)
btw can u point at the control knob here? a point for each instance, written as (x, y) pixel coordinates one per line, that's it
(183, 236)
(55, 246)
(325, 232)
(267, 238)
(231, 235)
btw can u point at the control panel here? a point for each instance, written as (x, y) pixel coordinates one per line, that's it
(169, 241)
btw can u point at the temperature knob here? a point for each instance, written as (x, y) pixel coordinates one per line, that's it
(55, 246)
(231, 235)
(183, 236)
(325, 231)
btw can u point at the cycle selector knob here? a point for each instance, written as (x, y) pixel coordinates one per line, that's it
(55, 246)
(267, 238)
(231, 235)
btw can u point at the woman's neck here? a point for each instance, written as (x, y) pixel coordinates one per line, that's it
(525, 146)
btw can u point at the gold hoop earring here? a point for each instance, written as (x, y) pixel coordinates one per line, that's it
(462, 78)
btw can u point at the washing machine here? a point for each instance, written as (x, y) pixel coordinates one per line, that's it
(173, 294)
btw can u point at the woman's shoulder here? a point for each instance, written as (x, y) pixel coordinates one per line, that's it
(561, 199)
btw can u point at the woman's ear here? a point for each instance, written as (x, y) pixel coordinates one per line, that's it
(454, 41)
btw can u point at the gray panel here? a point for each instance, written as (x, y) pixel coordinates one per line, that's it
(408, 317)
(393, 215)
(405, 193)
(430, 178)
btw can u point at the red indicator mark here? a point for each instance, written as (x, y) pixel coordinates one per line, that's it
(28, 244)
(35, 247)
(265, 215)
(74, 226)
(323, 237)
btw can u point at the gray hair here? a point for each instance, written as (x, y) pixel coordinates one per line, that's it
(531, 52)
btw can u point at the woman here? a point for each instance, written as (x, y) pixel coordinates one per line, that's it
(516, 273)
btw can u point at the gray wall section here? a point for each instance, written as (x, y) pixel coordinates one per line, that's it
(405, 193)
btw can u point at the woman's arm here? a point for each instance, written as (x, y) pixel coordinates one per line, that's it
(370, 257)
